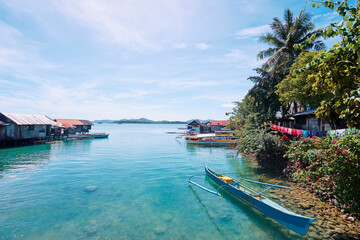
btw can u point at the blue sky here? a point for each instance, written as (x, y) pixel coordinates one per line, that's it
(114, 59)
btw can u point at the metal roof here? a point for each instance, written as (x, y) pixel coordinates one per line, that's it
(219, 122)
(74, 122)
(307, 112)
(195, 123)
(86, 122)
(30, 119)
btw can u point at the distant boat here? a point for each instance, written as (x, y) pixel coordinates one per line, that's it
(211, 139)
(88, 135)
(297, 223)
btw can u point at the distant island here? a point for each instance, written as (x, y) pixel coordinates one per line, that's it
(140, 120)
(144, 120)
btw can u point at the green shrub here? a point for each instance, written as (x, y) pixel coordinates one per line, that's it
(259, 141)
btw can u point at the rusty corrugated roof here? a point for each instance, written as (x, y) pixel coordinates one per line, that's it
(73, 122)
(86, 122)
(30, 119)
(219, 122)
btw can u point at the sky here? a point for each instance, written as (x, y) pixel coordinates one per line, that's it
(115, 59)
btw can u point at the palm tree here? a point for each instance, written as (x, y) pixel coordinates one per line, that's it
(284, 38)
(263, 92)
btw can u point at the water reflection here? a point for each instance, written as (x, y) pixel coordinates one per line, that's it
(209, 149)
(26, 157)
(23, 157)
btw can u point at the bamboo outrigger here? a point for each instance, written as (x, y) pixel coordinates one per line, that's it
(295, 222)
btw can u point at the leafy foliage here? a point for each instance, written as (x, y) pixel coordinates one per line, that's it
(241, 111)
(258, 140)
(338, 70)
(263, 93)
(297, 87)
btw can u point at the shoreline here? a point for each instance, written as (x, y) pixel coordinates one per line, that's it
(330, 223)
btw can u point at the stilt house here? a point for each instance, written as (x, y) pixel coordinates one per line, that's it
(74, 126)
(218, 125)
(196, 126)
(26, 126)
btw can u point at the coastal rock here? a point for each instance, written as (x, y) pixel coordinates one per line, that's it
(160, 230)
(306, 205)
(90, 188)
(167, 217)
(314, 235)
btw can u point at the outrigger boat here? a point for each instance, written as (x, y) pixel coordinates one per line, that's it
(210, 139)
(295, 222)
(88, 135)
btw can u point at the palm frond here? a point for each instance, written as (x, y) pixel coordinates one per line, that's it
(271, 40)
(278, 28)
(266, 53)
(289, 19)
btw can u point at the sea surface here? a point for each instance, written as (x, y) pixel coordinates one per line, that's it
(133, 185)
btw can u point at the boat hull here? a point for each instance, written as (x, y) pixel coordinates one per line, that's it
(297, 223)
(88, 136)
(211, 143)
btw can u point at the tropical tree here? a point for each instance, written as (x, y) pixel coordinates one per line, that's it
(297, 88)
(338, 69)
(263, 93)
(284, 38)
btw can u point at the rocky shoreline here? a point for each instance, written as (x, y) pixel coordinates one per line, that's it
(330, 222)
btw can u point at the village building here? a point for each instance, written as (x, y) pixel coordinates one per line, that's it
(218, 125)
(3, 131)
(25, 128)
(306, 120)
(74, 126)
(196, 126)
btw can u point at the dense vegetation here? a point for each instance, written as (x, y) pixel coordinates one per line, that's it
(330, 168)
(300, 73)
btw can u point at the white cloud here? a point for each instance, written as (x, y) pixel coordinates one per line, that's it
(239, 58)
(184, 84)
(218, 98)
(180, 45)
(21, 57)
(253, 32)
(236, 54)
(136, 93)
(327, 16)
(228, 105)
(133, 24)
(202, 46)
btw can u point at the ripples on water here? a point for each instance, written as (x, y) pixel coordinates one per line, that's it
(140, 174)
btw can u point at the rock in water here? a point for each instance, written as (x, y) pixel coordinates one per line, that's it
(90, 188)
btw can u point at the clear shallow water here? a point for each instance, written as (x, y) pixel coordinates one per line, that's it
(142, 191)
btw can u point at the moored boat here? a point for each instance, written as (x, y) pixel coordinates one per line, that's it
(295, 222)
(88, 135)
(211, 139)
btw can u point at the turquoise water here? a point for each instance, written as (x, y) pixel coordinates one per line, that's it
(140, 175)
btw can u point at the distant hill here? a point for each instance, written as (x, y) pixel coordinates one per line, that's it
(203, 121)
(103, 121)
(145, 120)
